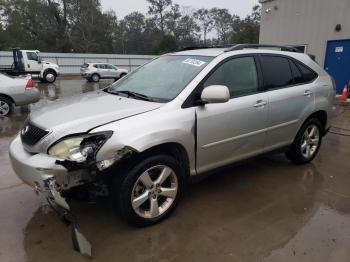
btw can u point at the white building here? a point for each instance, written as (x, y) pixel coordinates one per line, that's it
(322, 27)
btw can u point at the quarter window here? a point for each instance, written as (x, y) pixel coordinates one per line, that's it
(276, 71)
(308, 75)
(298, 77)
(239, 75)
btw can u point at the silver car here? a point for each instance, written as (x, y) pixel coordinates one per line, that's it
(93, 72)
(172, 120)
(16, 91)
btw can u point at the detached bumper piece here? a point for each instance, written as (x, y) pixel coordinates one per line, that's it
(61, 207)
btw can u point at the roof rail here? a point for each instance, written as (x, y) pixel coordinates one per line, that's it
(188, 48)
(257, 46)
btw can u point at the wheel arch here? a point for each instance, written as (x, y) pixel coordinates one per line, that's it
(8, 97)
(173, 149)
(321, 116)
(50, 70)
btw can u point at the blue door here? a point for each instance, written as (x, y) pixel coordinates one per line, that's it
(337, 62)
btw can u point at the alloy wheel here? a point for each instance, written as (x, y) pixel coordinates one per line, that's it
(154, 192)
(4, 108)
(310, 141)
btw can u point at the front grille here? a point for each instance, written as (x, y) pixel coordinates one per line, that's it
(31, 134)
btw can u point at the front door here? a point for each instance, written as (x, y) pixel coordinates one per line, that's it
(33, 64)
(234, 130)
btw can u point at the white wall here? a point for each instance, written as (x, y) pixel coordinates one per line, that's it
(71, 63)
(309, 22)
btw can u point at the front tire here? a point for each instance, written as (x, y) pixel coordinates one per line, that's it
(5, 106)
(50, 76)
(150, 190)
(307, 143)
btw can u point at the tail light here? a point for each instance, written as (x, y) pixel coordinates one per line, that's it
(30, 84)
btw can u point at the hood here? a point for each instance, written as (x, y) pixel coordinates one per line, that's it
(81, 113)
(49, 64)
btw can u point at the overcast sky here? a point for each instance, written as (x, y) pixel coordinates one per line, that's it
(122, 8)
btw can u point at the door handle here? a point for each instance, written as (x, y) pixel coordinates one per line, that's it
(307, 93)
(260, 103)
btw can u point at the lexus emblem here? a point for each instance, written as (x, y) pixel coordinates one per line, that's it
(24, 130)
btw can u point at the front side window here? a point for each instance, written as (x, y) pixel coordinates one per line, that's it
(32, 56)
(239, 75)
(162, 79)
(276, 71)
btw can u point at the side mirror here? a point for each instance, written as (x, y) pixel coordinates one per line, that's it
(39, 60)
(215, 95)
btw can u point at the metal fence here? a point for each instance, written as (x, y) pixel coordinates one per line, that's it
(70, 63)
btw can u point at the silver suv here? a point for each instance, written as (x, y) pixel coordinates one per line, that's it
(143, 138)
(93, 72)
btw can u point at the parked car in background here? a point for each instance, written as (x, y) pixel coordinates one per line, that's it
(30, 62)
(19, 91)
(93, 72)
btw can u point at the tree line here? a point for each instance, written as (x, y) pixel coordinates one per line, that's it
(82, 26)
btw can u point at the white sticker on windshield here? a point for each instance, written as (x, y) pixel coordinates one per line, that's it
(194, 62)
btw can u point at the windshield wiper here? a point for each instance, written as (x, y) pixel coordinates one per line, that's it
(131, 94)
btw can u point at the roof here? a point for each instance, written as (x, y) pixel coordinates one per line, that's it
(202, 52)
(238, 47)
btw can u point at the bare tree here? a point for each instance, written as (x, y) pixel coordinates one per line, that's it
(173, 17)
(158, 9)
(206, 22)
(222, 23)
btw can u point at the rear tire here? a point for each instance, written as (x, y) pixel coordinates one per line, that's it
(6, 106)
(159, 196)
(307, 143)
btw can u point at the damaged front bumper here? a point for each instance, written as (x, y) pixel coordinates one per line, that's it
(42, 173)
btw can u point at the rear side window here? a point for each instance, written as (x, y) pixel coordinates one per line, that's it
(238, 74)
(276, 71)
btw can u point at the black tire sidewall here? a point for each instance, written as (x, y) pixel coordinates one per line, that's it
(46, 73)
(9, 102)
(295, 154)
(97, 80)
(127, 184)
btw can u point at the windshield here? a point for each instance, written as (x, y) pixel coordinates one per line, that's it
(162, 79)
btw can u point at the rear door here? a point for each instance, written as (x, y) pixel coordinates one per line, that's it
(112, 71)
(291, 97)
(234, 130)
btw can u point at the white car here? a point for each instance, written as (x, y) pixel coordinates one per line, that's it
(18, 91)
(93, 72)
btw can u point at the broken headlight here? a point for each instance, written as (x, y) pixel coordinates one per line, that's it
(81, 148)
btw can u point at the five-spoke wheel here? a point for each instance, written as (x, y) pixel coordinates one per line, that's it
(154, 192)
(307, 142)
(150, 190)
